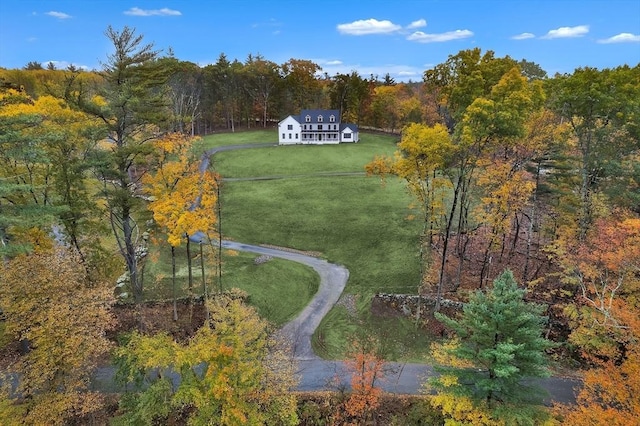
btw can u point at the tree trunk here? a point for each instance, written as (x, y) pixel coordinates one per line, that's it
(190, 281)
(173, 282)
(205, 296)
(445, 244)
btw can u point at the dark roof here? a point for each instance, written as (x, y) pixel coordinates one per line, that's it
(315, 113)
(353, 127)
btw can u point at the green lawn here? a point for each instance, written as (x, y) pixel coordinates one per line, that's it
(263, 282)
(354, 221)
(303, 159)
(351, 220)
(239, 138)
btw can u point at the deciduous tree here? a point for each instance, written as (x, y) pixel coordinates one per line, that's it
(609, 394)
(421, 158)
(226, 374)
(602, 108)
(367, 369)
(183, 196)
(52, 305)
(601, 270)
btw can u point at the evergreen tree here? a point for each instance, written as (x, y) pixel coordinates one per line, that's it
(131, 104)
(501, 344)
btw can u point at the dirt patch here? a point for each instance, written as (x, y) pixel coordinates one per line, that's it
(316, 408)
(154, 317)
(383, 310)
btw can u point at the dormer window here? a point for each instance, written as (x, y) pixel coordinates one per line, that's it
(307, 119)
(332, 118)
(319, 119)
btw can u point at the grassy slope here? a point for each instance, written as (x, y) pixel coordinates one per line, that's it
(351, 220)
(301, 160)
(239, 138)
(264, 282)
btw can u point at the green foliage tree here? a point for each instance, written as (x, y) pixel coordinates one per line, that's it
(130, 102)
(223, 92)
(24, 201)
(262, 82)
(603, 109)
(302, 88)
(500, 345)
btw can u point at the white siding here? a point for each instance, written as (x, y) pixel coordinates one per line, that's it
(289, 131)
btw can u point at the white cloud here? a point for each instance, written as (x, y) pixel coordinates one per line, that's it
(523, 36)
(61, 65)
(621, 38)
(59, 15)
(421, 37)
(136, 11)
(368, 26)
(401, 73)
(417, 24)
(567, 32)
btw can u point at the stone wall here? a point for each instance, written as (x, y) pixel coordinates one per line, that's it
(408, 304)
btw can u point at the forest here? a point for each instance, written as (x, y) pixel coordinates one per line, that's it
(516, 177)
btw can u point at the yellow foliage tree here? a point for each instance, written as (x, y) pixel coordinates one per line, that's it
(420, 160)
(183, 197)
(52, 306)
(228, 373)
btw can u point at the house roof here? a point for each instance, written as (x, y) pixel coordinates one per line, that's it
(295, 117)
(315, 113)
(325, 113)
(352, 127)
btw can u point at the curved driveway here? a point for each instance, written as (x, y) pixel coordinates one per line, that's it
(318, 374)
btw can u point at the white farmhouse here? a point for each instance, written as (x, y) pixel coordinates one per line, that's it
(316, 127)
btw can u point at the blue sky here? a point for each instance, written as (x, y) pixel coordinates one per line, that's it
(401, 37)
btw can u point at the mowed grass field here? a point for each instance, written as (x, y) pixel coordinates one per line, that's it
(350, 219)
(300, 160)
(263, 282)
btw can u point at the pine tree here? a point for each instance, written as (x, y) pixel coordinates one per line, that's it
(131, 104)
(501, 343)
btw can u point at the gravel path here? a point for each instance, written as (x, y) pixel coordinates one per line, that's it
(333, 279)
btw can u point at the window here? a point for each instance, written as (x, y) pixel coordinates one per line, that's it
(332, 118)
(304, 127)
(289, 135)
(335, 127)
(307, 119)
(283, 136)
(296, 136)
(319, 119)
(319, 126)
(290, 127)
(347, 135)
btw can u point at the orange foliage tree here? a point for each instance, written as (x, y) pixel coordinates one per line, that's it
(366, 369)
(610, 392)
(603, 270)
